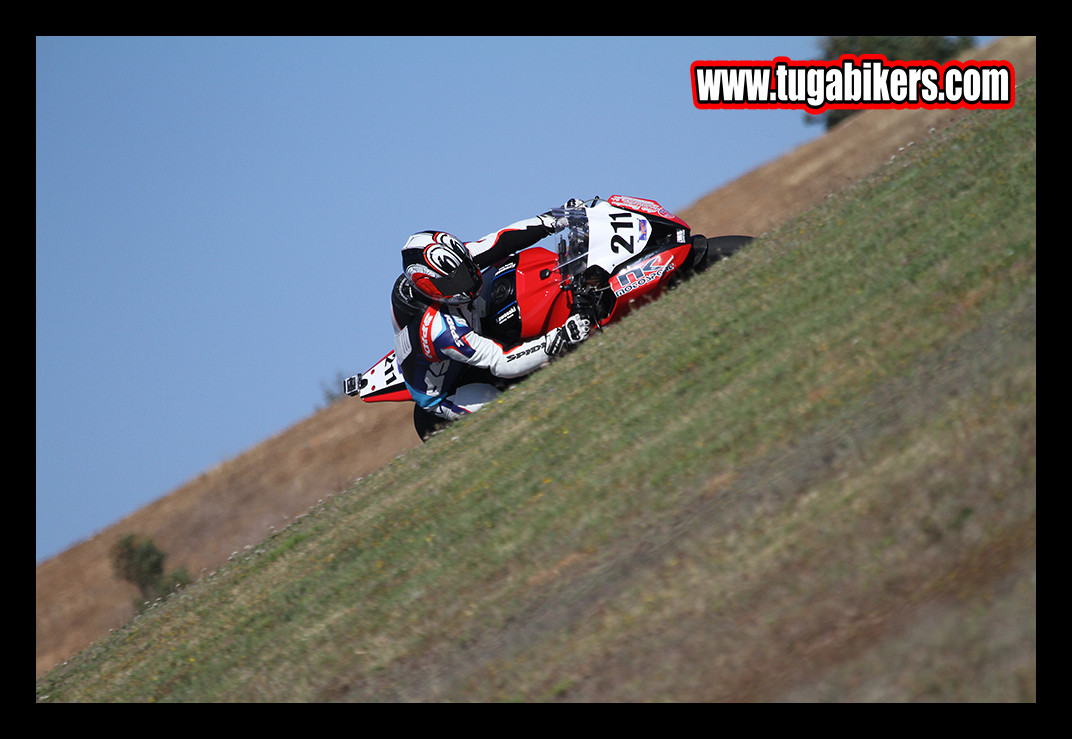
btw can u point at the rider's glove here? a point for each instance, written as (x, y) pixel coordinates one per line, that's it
(572, 332)
(551, 223)
(577, 328)
(556, 224)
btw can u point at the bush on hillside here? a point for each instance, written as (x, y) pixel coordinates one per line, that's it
(138, 561)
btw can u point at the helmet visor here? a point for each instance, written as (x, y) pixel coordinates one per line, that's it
(464, 280)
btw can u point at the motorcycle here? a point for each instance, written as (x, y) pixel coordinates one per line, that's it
(609, 257)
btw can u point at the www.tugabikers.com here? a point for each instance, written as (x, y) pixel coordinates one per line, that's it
(868, 81)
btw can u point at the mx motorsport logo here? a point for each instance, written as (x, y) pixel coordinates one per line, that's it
(642, 273)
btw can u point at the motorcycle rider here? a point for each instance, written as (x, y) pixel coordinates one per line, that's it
(443, 358)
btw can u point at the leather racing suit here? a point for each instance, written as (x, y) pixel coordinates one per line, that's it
(436, 344)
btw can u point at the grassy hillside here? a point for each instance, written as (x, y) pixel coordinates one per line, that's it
(808, 474)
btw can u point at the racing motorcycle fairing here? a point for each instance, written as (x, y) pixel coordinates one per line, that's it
(621, 252)
(524, 297)
(382, 381)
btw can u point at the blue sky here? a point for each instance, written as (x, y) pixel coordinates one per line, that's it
(219, 219)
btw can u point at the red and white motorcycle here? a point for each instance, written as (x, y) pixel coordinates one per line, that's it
(611, 256)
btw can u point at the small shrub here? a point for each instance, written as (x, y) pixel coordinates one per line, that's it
(138, 561)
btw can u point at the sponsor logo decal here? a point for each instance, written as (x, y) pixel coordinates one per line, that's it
(524, 352)
(640, 205)
(427, 345)
(506, 315)
(643, 273)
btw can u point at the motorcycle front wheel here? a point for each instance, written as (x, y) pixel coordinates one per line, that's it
(708, 250)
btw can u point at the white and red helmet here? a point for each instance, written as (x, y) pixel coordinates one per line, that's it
(440, 268)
